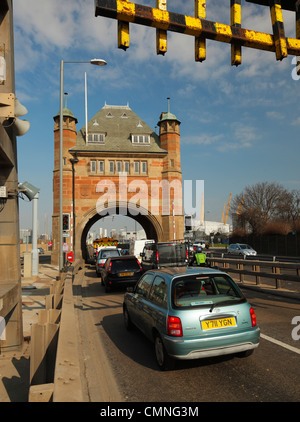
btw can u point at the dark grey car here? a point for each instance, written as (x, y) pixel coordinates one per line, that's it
(164, 254)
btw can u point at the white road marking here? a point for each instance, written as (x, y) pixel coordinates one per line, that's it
(280, 343)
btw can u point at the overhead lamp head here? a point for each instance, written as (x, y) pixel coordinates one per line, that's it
(28, 189)
(74, 160)
(98, 62)
(20, 110)
(21, 126)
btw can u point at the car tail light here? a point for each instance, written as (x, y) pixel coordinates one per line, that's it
(187, 255)
(253, 317)
(109, 267)
(157, 257)
(139, 265)
(174, 326)
(101, 263)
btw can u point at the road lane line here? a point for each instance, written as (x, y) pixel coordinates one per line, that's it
(280, 343)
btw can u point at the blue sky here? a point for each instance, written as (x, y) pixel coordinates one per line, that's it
(240, 125)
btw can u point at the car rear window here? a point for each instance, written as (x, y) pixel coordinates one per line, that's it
(127, 264)
(199, 290)
(108, 254)
(172, 253)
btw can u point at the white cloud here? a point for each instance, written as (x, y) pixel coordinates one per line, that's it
(296, 122)
(203, 139)
(275, 115)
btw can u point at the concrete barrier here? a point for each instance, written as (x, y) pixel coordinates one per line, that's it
(54, 357)
(10, 314)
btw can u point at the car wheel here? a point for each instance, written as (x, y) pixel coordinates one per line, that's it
(127, 320)
(246, 353)
(107, 288)
(164, 361)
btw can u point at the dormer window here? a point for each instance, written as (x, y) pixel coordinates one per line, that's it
(140, 139)
(96, 138)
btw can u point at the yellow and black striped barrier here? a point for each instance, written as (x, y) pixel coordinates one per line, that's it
(163, 20)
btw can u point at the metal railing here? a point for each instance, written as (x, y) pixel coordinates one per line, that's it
(275, 270)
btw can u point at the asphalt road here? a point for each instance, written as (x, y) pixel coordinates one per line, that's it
(120, 366)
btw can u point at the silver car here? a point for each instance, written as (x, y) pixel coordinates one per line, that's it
(241, 249)
(191, 313)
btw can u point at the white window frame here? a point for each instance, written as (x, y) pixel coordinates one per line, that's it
(112, 164)
(96, 138)
(127, 163)
(101, 162)
(136, 167)
(144, 167)
(93, 166)
(119, 166)
(140, 139)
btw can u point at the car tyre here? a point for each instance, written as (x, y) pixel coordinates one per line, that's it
(164, 361)
(246, 353)
(127, 320)
(107, 288)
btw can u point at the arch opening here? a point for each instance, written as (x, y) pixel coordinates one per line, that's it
(148, 222)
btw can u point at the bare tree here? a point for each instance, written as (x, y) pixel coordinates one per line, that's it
(262, 203)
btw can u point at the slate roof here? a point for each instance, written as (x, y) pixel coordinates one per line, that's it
(118, 123)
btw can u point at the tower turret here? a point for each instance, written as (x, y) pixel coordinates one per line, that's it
(169, 135)
(69, 141)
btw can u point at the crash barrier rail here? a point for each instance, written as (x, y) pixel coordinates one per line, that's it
(257, 265)
(54, 357)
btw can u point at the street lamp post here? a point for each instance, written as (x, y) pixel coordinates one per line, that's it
(74, 161)
(97, 62)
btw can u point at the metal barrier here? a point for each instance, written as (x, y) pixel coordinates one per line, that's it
(238, 266)
(54, 355)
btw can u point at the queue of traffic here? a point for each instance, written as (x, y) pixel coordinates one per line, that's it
(187, 309)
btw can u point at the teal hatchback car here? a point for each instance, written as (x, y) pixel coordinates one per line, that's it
(191, 313)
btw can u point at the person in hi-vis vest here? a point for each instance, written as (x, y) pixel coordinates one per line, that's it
(199, 257)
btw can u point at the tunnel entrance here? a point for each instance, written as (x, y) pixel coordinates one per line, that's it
(149, 223)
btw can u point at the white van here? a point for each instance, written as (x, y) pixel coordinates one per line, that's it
(136, 247)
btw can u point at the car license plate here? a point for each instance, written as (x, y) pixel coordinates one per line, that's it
(125, 274)
(211, 324)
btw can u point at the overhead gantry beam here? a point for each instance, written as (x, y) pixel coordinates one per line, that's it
(200, 28)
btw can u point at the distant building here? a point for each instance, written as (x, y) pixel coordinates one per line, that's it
(208, 228)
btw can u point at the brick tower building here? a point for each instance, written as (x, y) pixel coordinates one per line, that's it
(123, 167)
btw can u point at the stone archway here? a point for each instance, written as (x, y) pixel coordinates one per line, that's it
(149, 222)
(120, 156)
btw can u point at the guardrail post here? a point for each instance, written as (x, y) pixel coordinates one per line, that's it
(276, 270)
(241, 267)
(256, 268)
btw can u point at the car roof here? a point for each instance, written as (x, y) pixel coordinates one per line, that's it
(173, 272)
(122, 257)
